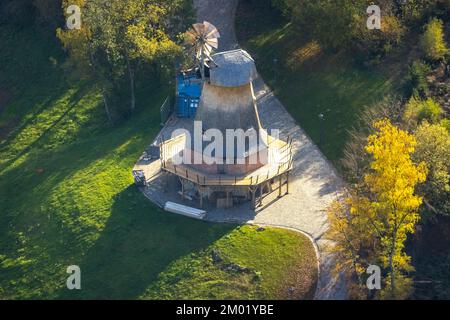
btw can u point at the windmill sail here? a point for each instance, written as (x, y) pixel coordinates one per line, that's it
(203, 39)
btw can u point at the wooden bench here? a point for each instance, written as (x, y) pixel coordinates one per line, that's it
(184, 210)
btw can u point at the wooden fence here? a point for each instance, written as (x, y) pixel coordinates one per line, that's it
(166, 110)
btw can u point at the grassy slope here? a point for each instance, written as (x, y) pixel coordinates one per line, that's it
(67, 198)
(309, 81)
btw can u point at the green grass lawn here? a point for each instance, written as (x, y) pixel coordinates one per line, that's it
(67, 198)
(310, 81)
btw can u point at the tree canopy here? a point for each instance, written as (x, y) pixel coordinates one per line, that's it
(378, 221)
(432, 41)
(119, 37)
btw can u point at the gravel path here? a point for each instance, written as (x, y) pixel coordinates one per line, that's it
(315, 183)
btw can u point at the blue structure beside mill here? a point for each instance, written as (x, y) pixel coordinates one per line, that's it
(189, 90)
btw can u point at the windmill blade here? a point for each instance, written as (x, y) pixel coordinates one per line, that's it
(202, 38)
(209, 26)
(213, 43)
(213, 34)
(210, 31)
(198, 54)
(207, 50)
(199, 28)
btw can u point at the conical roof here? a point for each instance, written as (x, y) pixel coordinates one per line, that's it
(228, 101)
(228, 108)
(232, 69)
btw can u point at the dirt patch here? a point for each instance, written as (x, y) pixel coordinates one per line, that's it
(300, 280)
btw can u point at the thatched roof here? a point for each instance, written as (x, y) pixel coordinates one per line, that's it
(228, 100)
(228, 108)
(225, 108)
(232, 69)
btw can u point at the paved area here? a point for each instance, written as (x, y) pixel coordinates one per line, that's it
(221, 14)
(314, 184)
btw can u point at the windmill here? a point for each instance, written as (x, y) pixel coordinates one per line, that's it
(202, 38)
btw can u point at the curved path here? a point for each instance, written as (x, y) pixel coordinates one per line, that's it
(315, 183)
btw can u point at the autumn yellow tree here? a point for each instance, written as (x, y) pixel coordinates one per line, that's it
(373, 226)
(392, 182)
(353, 243)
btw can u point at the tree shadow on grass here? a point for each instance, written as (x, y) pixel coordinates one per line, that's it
(73, 100)
(139, 242)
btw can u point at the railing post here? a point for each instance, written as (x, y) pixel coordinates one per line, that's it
(279, 186)
(287, 183)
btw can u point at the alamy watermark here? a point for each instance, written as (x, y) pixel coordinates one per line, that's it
(212, 147)
(73, 21)
(74, 280)
(374, 20)
(374, 280)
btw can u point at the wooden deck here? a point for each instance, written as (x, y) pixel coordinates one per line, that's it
(279, 163)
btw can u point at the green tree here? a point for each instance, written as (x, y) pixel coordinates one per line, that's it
(331, 22)
(446, 124)
(119, 37)
(84, 50)
(418, 110)
(433, 148)
(417, 79)
(433, 42)
(415, 10)
(49, 12)
(373, 45)
(140, 35)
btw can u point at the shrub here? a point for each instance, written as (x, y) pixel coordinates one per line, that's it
(355, 161)
(432, 41)
(376, 44)
(446, 124)
(418, 110)
(332, 23)
(430, 110)
(417, 79)
(433, 147)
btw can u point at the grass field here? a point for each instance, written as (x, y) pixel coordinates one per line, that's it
(309, 81)
(67, 198)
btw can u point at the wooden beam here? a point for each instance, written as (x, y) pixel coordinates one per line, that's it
(201, 199)
(260, 195)
(252, 191)
(182, 188)
(287, 182)
(279, 185)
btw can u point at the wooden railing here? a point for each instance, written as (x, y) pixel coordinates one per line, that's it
(279, 162)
